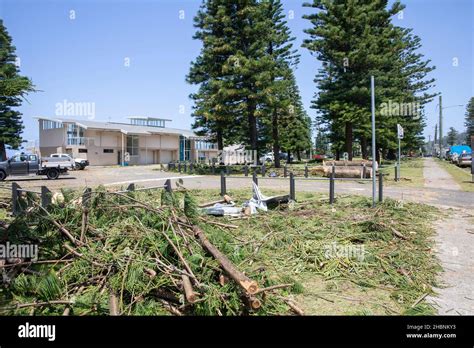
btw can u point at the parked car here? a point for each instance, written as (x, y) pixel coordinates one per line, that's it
(78, 163)
(268, 157)
(31, 164)
(464, 160)
(319, 157)
(454, 158)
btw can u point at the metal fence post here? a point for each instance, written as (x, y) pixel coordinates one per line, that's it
(396, 173)
(380, 187)
(306, 171)
(254, 177)
(227, 170)
(364, 171)
(246, 170)
(264, 169)
(185, 167)
(292, 187)
(223, 184)
(167, 185)
(331, 185)
(45, 196)
(179, 167)
(285, 171)
(191, 168)
(213, 168)
(15, 205)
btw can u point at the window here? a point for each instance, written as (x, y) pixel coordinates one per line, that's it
(32, 158)
(51, 125)
(82, 150)
(75, 135)
(139, 121)
(204, 145)
(108, 150)
(20, 158)
(132, 145)
(148, 122)
(184, 148)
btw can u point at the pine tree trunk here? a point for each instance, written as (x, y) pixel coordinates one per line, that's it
(220, 139)
(363, 145)
(252, 127)
(349, 140)
(391, 154)
(3, 151)
(276, 139)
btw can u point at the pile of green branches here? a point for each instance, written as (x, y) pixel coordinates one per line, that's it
(389, 248)
(127, 254)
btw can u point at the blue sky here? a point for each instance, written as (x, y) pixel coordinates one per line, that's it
(83, 59)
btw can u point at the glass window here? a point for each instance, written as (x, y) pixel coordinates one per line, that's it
(132, 145)
(75, 135)
(32, 158)
(51, 124)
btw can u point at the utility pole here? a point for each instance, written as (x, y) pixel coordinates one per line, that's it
(430, 148)
(372, 87)
(440, 127)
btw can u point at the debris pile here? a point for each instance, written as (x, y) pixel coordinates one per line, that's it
(227, 207)
(134, 253)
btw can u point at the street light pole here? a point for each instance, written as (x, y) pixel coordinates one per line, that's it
(440, 138)
(372, 87)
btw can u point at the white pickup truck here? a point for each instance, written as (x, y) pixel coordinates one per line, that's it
(31, 164)
(77, 163)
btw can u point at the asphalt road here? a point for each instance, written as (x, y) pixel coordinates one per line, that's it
(148, 176)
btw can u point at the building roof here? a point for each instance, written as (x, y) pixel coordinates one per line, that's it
(148, 118)
(123, 127)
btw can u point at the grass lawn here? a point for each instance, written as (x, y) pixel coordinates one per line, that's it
(411, 172)
(461, 175)
(345, 259)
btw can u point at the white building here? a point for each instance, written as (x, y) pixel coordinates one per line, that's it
(145, 140)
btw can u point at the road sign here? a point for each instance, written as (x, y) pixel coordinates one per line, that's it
(400, 131)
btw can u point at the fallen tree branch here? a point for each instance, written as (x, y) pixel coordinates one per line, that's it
(218, 223)
(294, 307)
(246, 283)
(59, 226)
(274, 287)
(113, 305)
(188, 289)
(37, 304)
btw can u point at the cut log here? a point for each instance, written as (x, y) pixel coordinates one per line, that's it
(352, 163)
(226, 199)
(246, 283)
(252, 302)
(342, 172)
(188, 289)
